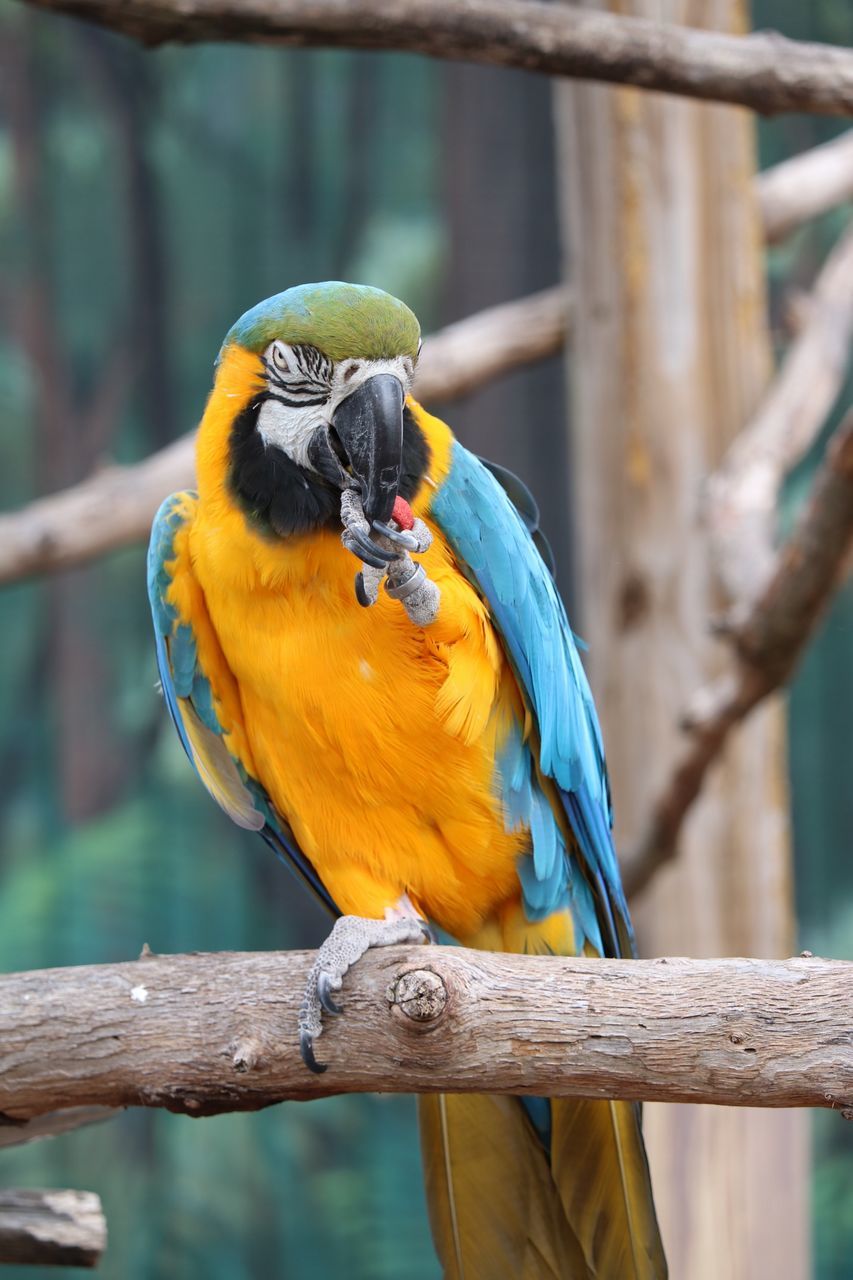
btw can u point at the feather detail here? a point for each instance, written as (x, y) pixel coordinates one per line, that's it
(201, 693)
(218, 772)
(465, 700)
(450, 1192)
(492, 541)
(599, 1165)
(494, 1209)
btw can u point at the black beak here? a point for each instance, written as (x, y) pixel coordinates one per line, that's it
(369, 425)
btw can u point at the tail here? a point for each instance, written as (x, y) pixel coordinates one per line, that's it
(539, 1189)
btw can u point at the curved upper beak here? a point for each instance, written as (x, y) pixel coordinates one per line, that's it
(369, 425)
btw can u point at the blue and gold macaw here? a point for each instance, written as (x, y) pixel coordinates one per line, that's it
(367, 661)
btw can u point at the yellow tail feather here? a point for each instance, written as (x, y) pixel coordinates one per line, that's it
(599, 1166)
(494, 1209)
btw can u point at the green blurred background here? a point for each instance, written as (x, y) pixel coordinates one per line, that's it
(146, 199)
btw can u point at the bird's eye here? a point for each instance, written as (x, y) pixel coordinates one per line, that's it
(279, 357)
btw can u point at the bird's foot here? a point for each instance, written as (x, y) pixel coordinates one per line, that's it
(385, 552)
(356, 536)
(350, 938)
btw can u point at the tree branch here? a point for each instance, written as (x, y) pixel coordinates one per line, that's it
(50, 1125)
(742, 495)
(805, 186)
(763, 71)
(115, 507)
(466, 355)
(208, 1033)
(51, 1228)
(767, 646)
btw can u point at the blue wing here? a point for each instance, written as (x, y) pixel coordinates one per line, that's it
(564, 758)
(190, 700)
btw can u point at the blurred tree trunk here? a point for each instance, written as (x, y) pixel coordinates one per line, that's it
(363, 80)
(89, 760)
(129, 86)
(501, 218)
(670, 355)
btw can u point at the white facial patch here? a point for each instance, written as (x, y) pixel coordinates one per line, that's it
(290, 429)
(350, 374)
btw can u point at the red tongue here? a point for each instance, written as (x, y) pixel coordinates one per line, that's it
(402, 513)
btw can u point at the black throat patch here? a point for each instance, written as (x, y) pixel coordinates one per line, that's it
(281, 499)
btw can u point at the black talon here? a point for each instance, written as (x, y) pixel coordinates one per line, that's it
(360, 592)
(372, 560)
(401, 536)
(306, 1048)
(369, 552)
(324, 987)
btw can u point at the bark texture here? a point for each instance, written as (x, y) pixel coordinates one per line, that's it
(763, 71)
(207, 1033)
(670, 357)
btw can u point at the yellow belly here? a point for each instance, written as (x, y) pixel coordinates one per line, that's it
(376, 739)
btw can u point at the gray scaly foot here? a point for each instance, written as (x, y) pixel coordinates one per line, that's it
(384, 551)
(347, 943)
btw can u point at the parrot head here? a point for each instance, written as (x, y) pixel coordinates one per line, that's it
(332, 365)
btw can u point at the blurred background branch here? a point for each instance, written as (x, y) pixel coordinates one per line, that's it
(767, 642)
(51, 1228)
(743, 493)
(805, 186)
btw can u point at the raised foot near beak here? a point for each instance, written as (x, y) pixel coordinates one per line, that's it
(356, 535)
(350, 938)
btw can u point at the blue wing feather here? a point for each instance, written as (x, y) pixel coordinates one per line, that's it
(189, 698)
(494, 545)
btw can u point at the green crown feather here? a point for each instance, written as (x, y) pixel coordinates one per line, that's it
(345, 321)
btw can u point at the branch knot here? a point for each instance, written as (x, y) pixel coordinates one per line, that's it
(419, 994)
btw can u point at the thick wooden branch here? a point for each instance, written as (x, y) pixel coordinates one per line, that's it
(51, 1228)
(767, 643)
(742, 495)
(763, 71)
(207, 1033)
(115, 507)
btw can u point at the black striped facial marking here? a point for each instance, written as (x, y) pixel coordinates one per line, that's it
(298, 375)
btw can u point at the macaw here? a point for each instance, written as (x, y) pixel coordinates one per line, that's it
(415, 736)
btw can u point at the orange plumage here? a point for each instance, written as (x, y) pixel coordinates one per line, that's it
(311, 688)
